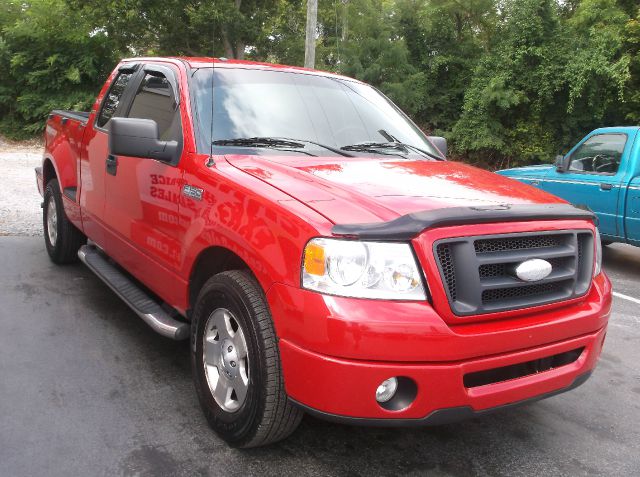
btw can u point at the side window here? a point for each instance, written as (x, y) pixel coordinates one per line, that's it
(155, 100)
(600, 154)
(112, 99)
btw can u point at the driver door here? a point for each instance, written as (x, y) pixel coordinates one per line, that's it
(593, 178)
(143, 194)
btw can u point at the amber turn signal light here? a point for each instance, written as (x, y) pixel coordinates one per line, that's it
(314, 259)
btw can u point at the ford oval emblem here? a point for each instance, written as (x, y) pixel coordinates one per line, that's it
(533, 270)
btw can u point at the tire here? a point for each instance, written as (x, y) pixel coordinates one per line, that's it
(256, 413)
(62, 239)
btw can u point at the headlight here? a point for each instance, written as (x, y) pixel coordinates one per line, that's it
(598, 266)
(362, 269)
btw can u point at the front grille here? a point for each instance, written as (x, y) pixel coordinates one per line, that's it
(516, 243)
(501, 269)
(498, 294)
(446, 265)
(520, 370)
(479, 272)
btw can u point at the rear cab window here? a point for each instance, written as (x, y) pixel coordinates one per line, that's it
(112, 101)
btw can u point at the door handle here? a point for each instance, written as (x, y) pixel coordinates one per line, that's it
(604, 186)
(112, 164)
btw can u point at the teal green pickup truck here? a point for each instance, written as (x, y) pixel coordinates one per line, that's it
(602, 172)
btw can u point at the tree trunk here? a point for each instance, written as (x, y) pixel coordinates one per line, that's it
(228, 48)
(233, 50)
(240, 50)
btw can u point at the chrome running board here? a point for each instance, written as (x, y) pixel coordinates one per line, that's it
(139, 301)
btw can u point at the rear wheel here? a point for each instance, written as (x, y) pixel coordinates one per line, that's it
(62, 239)
(236, 363)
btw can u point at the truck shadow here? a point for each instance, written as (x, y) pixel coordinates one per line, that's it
(623, 259)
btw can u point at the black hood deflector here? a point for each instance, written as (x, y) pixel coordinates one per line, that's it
(409, 226)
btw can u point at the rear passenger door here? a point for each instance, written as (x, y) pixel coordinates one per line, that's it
(143, 194)
(594, 176)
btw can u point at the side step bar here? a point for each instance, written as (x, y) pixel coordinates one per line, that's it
(139, 301)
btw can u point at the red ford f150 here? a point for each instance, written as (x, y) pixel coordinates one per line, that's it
(317, 249)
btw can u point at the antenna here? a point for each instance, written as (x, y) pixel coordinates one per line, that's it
(335, 10)
(211, 162)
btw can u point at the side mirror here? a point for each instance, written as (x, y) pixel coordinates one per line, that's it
(139, 138)
(560, 163)
(440, 143)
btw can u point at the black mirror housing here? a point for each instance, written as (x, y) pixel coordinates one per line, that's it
(560, 163)
(139, 138)
(441, 143)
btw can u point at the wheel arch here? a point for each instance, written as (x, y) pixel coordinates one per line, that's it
(209, 262)
(48, 171)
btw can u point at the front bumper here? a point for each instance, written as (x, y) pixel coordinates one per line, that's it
(335, 352)
(439, 416)
(346, 389)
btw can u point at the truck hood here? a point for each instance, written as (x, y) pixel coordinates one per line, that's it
(357, 190)
(538, 171)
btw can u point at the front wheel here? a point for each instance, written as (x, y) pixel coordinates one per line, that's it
(62, 239)
(236, 363)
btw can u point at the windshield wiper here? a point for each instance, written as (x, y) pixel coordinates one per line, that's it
(258, 142)
(379, 147)
(275, 142)
(329, 148)
(376, 148)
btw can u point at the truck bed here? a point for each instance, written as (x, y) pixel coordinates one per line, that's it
(82, 116)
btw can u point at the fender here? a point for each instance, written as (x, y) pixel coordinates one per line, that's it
(260, 224)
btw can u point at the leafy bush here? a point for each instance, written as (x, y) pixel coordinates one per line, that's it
(51, 59)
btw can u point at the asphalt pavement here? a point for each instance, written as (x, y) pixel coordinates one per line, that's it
(87, 389)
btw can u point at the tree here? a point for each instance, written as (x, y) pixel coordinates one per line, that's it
(510, 107)
(181, 27)
(50, 59)
(631, 109)
(359, 38)
(598, 70)
(446, 39)
(238, 25)
(508, 81)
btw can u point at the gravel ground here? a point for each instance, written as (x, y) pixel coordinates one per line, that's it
(20, 212)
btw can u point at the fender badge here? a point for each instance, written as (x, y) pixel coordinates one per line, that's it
(192, 192)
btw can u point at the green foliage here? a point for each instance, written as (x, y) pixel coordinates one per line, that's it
(50, 59)
(551, 76)
(507, 81)
(509, 107)
(359, 39)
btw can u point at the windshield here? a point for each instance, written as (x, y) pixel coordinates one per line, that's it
(250, 103)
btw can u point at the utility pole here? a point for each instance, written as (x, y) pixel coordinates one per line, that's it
(310, 41)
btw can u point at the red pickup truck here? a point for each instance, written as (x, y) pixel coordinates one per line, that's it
(317, 249)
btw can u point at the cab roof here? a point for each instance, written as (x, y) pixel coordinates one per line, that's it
(208, 62)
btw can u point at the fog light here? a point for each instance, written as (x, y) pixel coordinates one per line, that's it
(386, 390)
